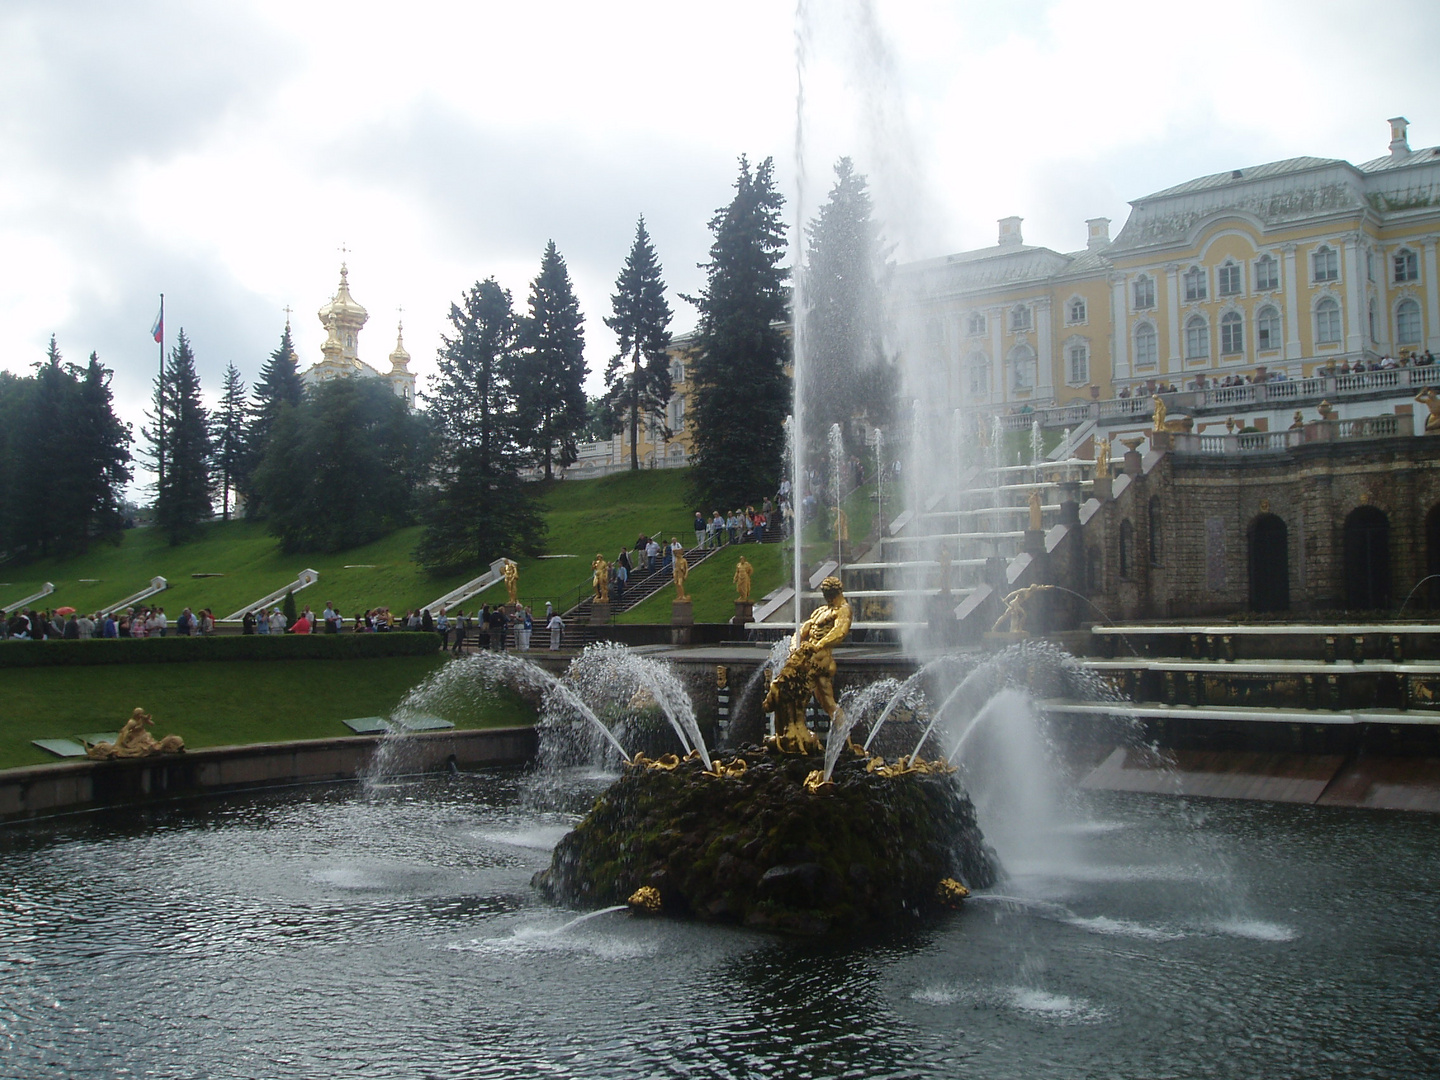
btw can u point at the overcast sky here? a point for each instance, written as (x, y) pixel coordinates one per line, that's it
(223, 153)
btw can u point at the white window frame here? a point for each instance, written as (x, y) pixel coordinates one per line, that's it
(1404, 306)
(1077, 349)
(1267, 273)
(1229, 269)
(976, 324)
(1023, 358)
(1268, 319)
(1153, 338)
(1194, 285)
(1407, 262)
(977, 375)
(1020, 318)
(1073, 319)
(1325, 264)
(1232, 334)
(1197, 338)
(1329, 321)
(1142, 293)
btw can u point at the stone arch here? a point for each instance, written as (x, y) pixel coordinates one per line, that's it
(1269, 559)
(1367, 559)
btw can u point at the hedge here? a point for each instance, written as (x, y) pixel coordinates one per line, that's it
(16, 654)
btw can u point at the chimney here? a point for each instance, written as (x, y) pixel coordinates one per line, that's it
(1010, 232)
(1399, 141)
(1099, 237)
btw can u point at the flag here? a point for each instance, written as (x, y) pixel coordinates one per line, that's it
(158, 330)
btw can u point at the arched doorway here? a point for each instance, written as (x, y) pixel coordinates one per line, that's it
(1367, 560)
(1269, 564)
(1432, 556)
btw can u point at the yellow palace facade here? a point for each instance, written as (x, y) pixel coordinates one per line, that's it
(1289, 267)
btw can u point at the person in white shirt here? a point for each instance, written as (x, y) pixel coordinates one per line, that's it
(557, 629)
(277, 621)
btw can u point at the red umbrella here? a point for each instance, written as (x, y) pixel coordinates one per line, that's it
(64, 611)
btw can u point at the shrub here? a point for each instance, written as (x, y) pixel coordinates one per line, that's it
(14, 654)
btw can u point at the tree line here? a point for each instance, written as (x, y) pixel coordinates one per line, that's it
(345, 462)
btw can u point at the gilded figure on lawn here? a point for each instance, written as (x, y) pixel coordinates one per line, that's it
(680, 572)
(743, 572)
(601, 580)
(512, 581)
(135, 741)
(809, 670)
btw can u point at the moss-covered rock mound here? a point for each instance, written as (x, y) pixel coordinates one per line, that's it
(761, 850)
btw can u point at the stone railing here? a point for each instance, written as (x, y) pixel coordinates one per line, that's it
(1253, 442)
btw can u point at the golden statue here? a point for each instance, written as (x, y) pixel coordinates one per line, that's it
(1431, 401)
(945, 560)
(1299, 420)
(135, 741)
(512, 581)
(840, 524)
(1015, 616)
(743, 572)
(1102, 459)
(601, 580)
(809, 670)
(1159, 424)
(1036, 521)
(680, 572)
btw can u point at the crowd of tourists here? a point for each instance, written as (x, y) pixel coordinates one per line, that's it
(66, 624)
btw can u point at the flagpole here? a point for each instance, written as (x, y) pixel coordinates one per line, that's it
(160, 402)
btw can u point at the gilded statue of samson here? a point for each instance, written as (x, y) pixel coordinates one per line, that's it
(809, 670)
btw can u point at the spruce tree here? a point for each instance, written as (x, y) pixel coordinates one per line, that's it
(845, 374)
(182, 501)
(638, 375)
(227, 435)
(50, 489)
(101, 448)
(279, 385)
(477, 506)
(741, 390)
(552, 381)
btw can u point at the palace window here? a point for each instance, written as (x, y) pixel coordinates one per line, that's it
(677, 415)
(976, 325)
(1326, 263)
(1407, 267)
(1144, 292)
(1407, 323)
(1370, 265)
(1146, 346)
(1022, 369)
(1077, 366)
(1020, 318)
(1197, 339)
(1267, 272)
(1371, 314)
(1327, 322)
(1229, 280)
(1195, 284)
(677, 373)
(1232, 334)
(1267, 329)
(978, 370)
(1075, 311)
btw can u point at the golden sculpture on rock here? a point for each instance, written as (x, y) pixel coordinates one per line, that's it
(1102, 459)
(1160, 410)
(680, 572)
(1016, 616)
(135, 741)
(743, 572)
(512, 581)
(601, 580)
(809, 671)
(1431, 401)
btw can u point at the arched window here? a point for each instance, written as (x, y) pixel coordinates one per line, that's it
(1269, 564)
(1267, 328)
(1367, 560)
(1075, 311)
(1407, 322)
(1327, 322)
(1229, 278)
(1267, 272)
(976, 325)
(1022, 369)
(1195, 284)
(977, 370)
(1144, 292)
(1407, 267)
(1146, 346)
(677, 372)
(1127, 547)
(1077, 363)
(1326, 263)
(1020, 318)
(1197, 339)
(1232, 334)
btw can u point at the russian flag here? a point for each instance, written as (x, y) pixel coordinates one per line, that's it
(158, 330)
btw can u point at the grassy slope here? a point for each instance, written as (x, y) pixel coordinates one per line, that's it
(217, 704)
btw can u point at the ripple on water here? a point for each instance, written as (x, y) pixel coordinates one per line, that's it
(1032, 1003)
(1254, 929)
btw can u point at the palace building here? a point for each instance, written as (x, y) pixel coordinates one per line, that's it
(343, 318)
(1293, 267)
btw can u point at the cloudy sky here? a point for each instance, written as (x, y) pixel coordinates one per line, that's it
(222, 154)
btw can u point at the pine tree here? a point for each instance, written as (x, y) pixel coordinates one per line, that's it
(182, 501)
(342, 467)
(552, 380)
(280, 385)
(741, 391)
(227, 436)
(101, 448)
(51, 491)
(478, 508)
(641, 322)
(846, 373)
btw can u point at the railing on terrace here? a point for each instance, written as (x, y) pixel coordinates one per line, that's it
(1252, 442)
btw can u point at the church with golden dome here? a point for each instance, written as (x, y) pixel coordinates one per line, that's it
(343, 317)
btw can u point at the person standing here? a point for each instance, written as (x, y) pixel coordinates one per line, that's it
(262, 621)
(525, 628)
(699, 529)
(442, 627)
(557, 630)
(622, 576)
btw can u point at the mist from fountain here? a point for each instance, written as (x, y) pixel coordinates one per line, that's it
(610, 673)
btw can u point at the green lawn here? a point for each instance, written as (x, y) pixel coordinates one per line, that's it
(221, 704)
